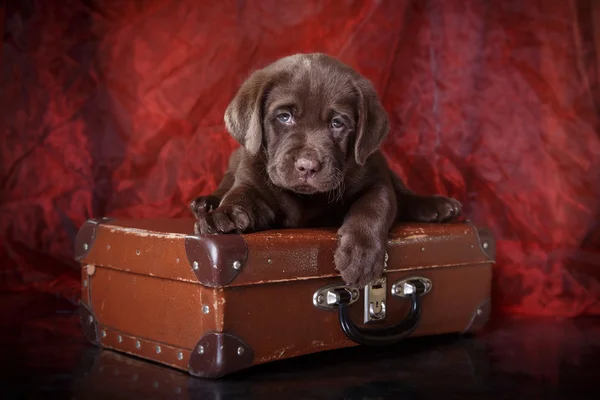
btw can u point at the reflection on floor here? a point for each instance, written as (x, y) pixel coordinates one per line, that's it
(44, 355)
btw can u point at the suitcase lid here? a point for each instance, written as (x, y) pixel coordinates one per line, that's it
(169, 249)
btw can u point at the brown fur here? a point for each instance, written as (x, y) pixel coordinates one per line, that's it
(310, 129)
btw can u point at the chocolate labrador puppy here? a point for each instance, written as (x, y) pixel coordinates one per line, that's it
(310, 128)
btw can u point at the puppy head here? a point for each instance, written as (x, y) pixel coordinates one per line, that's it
(312, 117)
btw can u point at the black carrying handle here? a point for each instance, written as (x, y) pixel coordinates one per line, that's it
(384, 336)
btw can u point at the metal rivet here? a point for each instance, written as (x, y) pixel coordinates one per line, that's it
(119, 339)
(85, 246)
(485, 245)
(472, 246)
(240, 351)
(138, 252)
(177, 261)
(103, 333)
(398, 290)
(270, 261)
(195, 265)
(205, 309)
(180, 356)
(108, 247)
(422, 248)
(157, 349)
(237, 265)
(138, 344)
(479, 311)
(320, 299)
(200, 349)
(90, 319)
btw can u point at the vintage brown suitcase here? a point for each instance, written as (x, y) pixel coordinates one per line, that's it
(213, 305)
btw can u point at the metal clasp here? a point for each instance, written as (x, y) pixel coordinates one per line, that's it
(408, 286)
(329, 297)
(375, 301)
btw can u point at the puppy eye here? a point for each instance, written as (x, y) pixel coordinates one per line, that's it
(337, 123)
(284, 117)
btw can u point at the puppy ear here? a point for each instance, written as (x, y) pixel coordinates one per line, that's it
(373, 124)
(243, 116)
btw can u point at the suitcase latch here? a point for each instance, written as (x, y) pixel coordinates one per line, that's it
(375, 301)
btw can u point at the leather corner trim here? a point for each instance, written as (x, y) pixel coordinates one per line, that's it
(88, 323)
(480, 317)
(219, 354)
(86, 236)
(487, 242)
(216, 259)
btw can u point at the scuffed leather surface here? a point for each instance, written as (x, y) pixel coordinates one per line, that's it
(115, 108)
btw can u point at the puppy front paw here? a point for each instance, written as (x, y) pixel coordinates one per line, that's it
(359, 259)
(230, 218)
(435, 209)
(204, 204)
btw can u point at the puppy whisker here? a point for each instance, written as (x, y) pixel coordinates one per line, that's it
(337, 193)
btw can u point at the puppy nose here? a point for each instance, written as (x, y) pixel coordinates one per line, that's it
(307, 166)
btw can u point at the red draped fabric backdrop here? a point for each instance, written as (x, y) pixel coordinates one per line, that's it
(115, 108)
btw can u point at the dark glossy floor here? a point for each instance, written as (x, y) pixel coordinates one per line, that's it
(44, 356)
